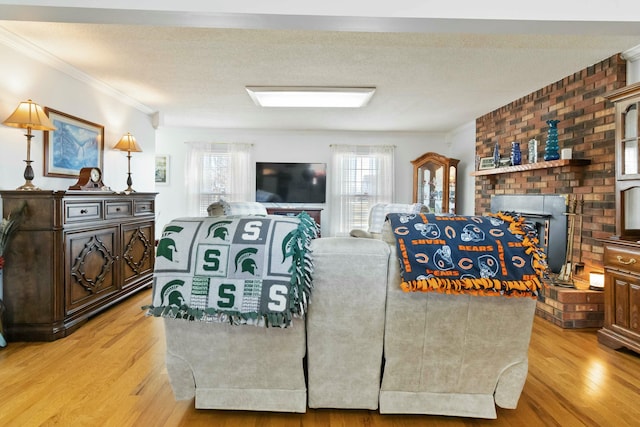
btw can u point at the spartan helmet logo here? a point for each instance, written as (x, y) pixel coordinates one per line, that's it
(431, 231)
(219, 230)
(472, 233)
(488, 266)
(171, 293)
(245, 261)
(166, 245)
(442, 258)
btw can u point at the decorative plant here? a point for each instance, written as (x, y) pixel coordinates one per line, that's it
(7, 227)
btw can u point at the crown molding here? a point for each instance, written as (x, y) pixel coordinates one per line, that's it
(632, 54)
(27, 48)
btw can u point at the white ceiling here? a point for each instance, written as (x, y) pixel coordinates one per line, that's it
(433, 68)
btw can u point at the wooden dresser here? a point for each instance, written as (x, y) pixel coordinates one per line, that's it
(622, 295)
(74, 254)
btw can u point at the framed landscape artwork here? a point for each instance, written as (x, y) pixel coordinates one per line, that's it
(162, 169)
(76, 143)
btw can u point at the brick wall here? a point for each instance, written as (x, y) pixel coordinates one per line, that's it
(586, 124)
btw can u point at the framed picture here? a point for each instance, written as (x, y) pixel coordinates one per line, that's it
(76, 143)
(162, 169)
(486, 163)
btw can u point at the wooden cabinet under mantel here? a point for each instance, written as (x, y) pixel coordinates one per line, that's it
(73, 255)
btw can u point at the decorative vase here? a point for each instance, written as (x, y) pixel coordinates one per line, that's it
(551, 147)
(516, 155)
(496, 156)
(533, 151)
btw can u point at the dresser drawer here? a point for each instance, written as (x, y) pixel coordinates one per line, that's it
(83, 211)
(117, 209)
(143, 207)
(622, 258)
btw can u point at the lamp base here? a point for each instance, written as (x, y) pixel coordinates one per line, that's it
(28, 186)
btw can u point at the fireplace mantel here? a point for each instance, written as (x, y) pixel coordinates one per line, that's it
(531, 166)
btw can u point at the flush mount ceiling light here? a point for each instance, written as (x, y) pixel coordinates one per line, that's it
(310, 96)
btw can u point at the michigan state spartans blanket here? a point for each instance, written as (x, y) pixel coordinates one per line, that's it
(236, 269)
(490, 255)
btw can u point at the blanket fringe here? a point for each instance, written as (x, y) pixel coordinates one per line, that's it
(482, 286)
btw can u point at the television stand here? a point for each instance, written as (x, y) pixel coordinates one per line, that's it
(312, 212)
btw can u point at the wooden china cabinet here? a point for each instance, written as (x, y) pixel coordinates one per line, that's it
(622, 251)
(434, 182)
(74, 254)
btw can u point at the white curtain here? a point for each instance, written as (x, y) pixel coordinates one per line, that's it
(360, 176)
(218, 171)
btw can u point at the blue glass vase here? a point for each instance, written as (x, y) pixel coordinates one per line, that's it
(496, 156)
(551, 147)
(516, 155)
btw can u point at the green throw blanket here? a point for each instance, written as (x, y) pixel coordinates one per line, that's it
(236, 269)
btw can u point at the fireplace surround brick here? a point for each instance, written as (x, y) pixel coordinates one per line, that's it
(586, 125)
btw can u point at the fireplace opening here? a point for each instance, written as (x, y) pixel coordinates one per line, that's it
(547, 212)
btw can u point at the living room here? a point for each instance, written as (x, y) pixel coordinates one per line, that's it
(28, 72)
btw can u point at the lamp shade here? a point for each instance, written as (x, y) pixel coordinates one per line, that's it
(29, 115)
(128, 143)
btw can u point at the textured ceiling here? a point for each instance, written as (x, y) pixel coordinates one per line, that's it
(426, 81)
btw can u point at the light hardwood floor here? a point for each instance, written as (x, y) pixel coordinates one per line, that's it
(111, 372)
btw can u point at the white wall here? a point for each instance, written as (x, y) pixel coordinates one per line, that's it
(463, 148)
(291, 146)
(22, 77)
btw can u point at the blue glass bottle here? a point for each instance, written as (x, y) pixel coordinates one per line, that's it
(516, 155)
(496, 156)
(551, 147)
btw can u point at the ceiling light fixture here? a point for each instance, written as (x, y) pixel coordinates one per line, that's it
(310, 96)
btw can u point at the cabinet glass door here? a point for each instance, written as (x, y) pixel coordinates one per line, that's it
(452, 188)
(630, 155)
(435, 182)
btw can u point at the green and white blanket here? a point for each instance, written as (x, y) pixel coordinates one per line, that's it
(236, 269)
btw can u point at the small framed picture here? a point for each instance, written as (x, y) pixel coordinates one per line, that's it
(486, 163)
(162, 169)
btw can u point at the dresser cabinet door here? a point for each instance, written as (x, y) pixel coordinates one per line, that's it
(625, 299)
(137, 252)
(90, 269)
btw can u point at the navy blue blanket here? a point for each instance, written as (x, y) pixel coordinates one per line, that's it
(490, 255)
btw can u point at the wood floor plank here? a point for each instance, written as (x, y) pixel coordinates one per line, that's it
(111, 372)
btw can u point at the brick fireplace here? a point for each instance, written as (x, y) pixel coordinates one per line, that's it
(586, 125)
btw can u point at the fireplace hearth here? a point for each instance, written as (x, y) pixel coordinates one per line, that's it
(547, 212)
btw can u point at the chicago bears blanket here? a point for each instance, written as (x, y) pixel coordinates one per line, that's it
(491, 255)
(237, 269)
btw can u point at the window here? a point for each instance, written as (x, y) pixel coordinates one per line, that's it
(218, 171)
(361, 176)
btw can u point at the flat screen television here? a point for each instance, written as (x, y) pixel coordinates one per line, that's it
(291, 182)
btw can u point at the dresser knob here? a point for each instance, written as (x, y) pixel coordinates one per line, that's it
(83, 211)
(622, 261)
